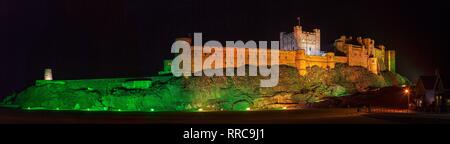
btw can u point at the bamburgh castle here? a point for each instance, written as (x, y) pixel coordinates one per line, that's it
(301, 49)
(354, 52)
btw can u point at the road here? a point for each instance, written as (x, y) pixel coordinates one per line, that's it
(306, 116)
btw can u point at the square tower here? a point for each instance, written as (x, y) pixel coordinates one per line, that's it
(301, 40)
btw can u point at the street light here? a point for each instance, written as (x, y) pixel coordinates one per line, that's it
(407, 93)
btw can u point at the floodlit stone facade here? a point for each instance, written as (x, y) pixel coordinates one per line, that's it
(301, 49)
(363, 52)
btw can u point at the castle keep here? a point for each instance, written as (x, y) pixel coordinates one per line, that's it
(301, 49)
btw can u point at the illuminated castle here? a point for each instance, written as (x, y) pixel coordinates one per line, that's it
(301, 40)
(301, 49)
(359, 52)
(362, 52)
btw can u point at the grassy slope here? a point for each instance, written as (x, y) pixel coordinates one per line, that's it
(208, 93)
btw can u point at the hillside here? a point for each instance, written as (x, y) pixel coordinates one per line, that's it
(166, 93)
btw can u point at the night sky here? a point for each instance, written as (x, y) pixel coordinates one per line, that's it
(82, 39)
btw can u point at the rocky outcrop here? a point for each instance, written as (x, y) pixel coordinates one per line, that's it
(205, 93)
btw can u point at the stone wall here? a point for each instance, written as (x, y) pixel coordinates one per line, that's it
(298, 59)
(301, 40)
(301, 49)
(362, 52)
(357, 56)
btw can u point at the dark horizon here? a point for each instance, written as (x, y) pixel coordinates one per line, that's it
(105, 39)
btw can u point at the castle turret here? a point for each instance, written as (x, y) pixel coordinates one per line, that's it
(359, 40)
(366, 42)
(300, 61)
(330, 60)
(382, 47)
(340, 43)
(298, 36)
(317, 34)
(373, 65)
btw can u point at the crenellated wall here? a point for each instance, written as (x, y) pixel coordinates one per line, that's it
(298, 59)
(362, 52)
(301, 40)
(301, 49)
(356, 56)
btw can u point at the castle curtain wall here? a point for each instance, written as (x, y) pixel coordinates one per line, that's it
(301, 49)
(341, 59)
(302, 61)
(298, 59)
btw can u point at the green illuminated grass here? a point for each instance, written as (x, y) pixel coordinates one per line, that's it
(197, 94)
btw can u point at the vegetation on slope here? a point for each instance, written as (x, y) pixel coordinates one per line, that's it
(203, 93)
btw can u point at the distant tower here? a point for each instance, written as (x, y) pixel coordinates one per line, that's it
(48, 74)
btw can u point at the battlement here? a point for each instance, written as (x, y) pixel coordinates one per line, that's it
(301, 40)
(301, 49)
(363, 52)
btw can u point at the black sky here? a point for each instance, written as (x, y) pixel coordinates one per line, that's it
(118, 38)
